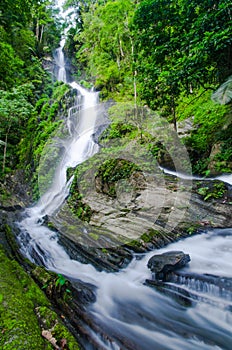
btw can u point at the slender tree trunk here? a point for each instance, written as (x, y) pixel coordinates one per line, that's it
(5, 149)
(134, 73)
(41, 33)
(120, 47)
(37, 30)
(174, 113)
(135, 88)
(4, 153)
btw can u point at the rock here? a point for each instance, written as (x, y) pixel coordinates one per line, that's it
(164, 264)
(48, 335)
(11, 207)
(185, 127)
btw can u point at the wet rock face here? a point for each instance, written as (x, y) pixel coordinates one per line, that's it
(163, 264)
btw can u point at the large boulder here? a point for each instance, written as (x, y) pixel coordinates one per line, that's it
(163, 264)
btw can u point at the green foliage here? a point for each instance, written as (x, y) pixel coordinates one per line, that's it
(208, 117)
(128, 46)
(43, 122)
(60, 281)
(15, 109)
(167, 66)
(10, 65)
(119, 129)
(105, 46)
(26, 28)
(216, 191)
(113, 170)
(211, 125)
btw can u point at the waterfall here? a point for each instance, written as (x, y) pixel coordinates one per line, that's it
(76, 147)
(135, 315)
(60, 61)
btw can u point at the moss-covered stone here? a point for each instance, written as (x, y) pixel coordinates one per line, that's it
(75, 203)
(20, 295)
(148, 236)
(50, 323)
(112, 171)
(25, 312)
(212, 190)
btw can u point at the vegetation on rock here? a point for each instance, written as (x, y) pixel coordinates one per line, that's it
(25, 312)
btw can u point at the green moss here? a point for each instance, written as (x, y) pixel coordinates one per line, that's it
(51, 226)
(113, 170)
(193, 229)
(20, 295)
(75, 202)
(4, 194)
(70, 172)
(94, 236)
(104, 250)
(86, 84)
(25, 310)
(41, 275)
(148, 236)
(49, 321)
(60, 332)
(118, 129)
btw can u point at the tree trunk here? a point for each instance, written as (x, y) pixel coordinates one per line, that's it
(41, 33)
(174, 113)
(4, 153)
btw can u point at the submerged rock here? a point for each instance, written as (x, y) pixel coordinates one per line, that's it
(164, 264)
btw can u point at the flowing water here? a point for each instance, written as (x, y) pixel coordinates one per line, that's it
(225, 178)
(192, 313)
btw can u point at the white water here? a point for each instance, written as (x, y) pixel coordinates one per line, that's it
(225, 178)
(78, 146)
(61, 62)
(125, 307)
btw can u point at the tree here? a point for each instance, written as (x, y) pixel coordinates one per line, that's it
(10, 66)
(181, 45)
(15, 109)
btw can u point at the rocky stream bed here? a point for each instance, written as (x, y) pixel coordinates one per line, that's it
(70, 299)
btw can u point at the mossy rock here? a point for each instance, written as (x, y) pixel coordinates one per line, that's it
(112, 171)
(21, 303)
(19, 296)
(212, 190)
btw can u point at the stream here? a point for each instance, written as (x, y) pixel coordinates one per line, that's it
(191, 313)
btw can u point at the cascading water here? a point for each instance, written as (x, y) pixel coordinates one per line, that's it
(136, 316)
(61, 76)
(158, 322)
(225, 178)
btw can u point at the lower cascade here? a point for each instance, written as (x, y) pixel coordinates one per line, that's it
(132, 308)
(189, 312)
